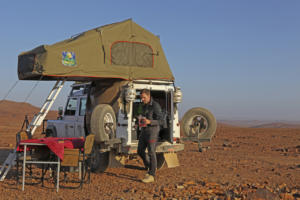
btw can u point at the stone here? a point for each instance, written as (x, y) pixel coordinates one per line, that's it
(132, 190)
(126, 191)
(218, 192)
(190, 183)
(286, 196)
(227, 197)
(262, 194)
(202, 183)
(209, 191)
(227, 144)
(179, 186)
(235, 192)
(282, 187)
(202, 191)
(277, 173)
(214, 185)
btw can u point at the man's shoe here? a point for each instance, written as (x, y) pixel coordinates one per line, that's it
(148, 179)
(146, 175)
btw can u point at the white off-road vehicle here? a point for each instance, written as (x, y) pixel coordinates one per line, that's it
(117, 132)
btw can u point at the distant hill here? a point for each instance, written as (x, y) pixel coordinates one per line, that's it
(277, 125)
(11, 111)
(261, 123)
(12, 115)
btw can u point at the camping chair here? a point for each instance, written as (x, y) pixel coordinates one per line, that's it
(79, 158)
(71, 159)
(86, 156)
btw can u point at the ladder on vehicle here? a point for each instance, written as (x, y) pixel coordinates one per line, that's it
(9, 162)
(39, 117)
(36, 122)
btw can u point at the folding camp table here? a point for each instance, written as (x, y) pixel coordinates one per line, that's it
(25, 161)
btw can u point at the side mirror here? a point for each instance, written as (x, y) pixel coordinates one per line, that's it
(60, 111)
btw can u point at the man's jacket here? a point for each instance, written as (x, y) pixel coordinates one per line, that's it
(152, 111)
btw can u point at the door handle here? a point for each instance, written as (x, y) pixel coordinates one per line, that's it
(71, 126)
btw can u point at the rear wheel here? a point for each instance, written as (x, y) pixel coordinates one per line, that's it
(99, 160)
(198, 123)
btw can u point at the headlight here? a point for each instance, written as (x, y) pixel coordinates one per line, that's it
(130, 94)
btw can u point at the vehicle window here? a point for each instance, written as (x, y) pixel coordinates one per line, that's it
(137, 97)
(82, 106)
(137, 104)
(71, 106)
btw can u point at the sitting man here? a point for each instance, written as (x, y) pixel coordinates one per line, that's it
(150, 123)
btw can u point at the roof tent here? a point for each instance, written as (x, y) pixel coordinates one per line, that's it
(122, 50)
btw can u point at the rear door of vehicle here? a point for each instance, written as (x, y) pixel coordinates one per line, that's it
(169, 115)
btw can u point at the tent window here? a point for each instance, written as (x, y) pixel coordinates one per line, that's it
(131, 54)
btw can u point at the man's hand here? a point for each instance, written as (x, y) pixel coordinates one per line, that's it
(147, 121)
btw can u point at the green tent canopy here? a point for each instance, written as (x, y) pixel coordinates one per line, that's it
(122, 50)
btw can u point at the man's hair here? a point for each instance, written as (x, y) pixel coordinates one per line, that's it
(146, 91)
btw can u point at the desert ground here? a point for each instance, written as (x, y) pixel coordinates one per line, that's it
(239, 163)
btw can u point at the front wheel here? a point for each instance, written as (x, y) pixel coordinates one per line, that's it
(199, 123)
(51, 132)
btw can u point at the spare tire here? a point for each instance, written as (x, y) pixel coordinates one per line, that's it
(103, 123)
(199, 123)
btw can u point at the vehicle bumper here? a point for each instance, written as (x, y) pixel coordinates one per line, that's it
(161, 147)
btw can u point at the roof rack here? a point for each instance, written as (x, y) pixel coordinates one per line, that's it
(154, 82)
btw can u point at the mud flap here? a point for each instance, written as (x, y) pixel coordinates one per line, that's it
(171, 160)
(116, 161)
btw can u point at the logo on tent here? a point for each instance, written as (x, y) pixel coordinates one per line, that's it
(68, 58)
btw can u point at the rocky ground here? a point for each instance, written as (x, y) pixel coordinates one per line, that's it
(239, 163)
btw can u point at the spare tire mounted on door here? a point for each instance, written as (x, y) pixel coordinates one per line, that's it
(199, 123)
(103, 123)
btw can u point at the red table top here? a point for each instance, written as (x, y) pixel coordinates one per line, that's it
(55, 144)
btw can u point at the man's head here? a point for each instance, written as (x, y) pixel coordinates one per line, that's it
(145, 96)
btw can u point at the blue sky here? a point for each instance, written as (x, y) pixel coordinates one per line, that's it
(239, 59)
